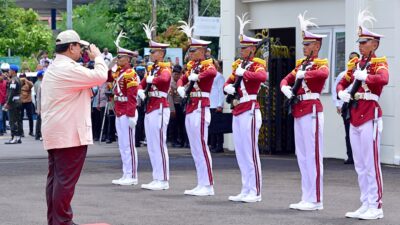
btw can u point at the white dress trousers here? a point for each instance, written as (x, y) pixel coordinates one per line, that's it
(197, 123)
(246, 128)
(126, 143)
(365, 143)
(156, 124)
(308, 131)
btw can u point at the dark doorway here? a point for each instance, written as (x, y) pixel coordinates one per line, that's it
(276, 133)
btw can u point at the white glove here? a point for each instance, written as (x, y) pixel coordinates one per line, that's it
(240, 71)
(132, 122)
(229, 89)
(360, 75)
(149, 79)
(344, 96)
(193, 77)
(181, 91)
(141, 94)
(300, 74)
(287, 91)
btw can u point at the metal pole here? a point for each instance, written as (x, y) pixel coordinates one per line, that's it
(154, 16)
(69, 14)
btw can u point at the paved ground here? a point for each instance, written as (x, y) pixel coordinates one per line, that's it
(23, 171)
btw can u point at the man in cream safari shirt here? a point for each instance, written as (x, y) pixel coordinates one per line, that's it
(66, 123)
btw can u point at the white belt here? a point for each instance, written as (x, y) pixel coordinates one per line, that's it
(158, 94)
(248, 98)
(308, 96)
(15, 98)
(121, 98)
(199, 94)
(366, 96)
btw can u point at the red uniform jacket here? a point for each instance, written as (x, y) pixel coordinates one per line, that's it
(252, 79)
(206, 78)
(315, 79)
(161, 82)
(125, 84)
(378, 76)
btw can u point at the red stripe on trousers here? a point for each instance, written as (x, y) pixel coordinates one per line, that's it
(377, 171)
(162, 146)
(253, 146)
(132, 147)
(317, 160)
(203, 145)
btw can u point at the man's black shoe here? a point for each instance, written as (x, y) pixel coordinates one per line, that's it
(217, 150)
(108, 141)
(349, 161)
(95, 139)
(31, 134)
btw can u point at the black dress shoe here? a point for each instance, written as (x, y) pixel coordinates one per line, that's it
(349, 161)
(216, 150)
(95, 139)
(31, 134)
(108, 141)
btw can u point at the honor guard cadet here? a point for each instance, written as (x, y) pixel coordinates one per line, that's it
(200, 76)
(155, 87)
(310, 73)
(246, 115)
(125, 86)
(13, 105)
(368, 76)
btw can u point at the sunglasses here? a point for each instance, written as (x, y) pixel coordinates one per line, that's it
(121, 56)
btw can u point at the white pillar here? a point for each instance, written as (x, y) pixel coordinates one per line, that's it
(227, 41)
(69, 14)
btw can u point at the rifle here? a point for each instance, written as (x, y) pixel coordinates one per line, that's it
(297, 84)
(354, 89)
(148, 86)
(189, 88)
(238, 80)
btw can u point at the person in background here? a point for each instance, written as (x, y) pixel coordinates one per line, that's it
(99, 102)
(3, 95)
(217, 98)
(13, 105)
(26, 100)
(178, 133)
(338, 104)
(38, 90)
(44, 58)
(140, 134)
(107, 56)
(4, 69)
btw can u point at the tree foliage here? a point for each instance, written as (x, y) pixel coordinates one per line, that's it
(101, 21)
(22, 32)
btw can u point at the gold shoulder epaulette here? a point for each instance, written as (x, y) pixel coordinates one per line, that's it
(236, 64)
(299, 61)
(207, 62)
(260, 61)
(352, 63)
(379, 60)
(189, 65)
(132, 84)
(129, 73)
(321, 62)
(164, 64)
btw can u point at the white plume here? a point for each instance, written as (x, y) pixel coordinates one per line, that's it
(121, 34)
(305, 23)
(365, 16)
(148, 28)
(186, 28)
(242, 22)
